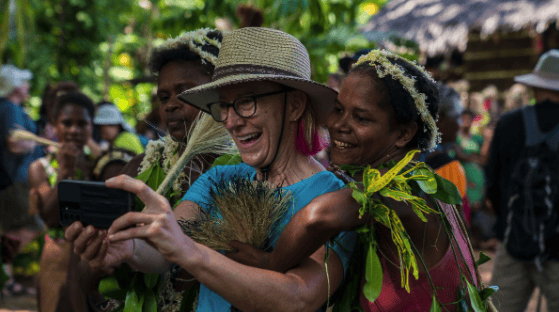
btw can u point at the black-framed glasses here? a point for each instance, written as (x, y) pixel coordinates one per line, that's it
(244, 106)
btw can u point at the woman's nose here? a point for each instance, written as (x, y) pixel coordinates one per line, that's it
(341, 124)
(233, 120)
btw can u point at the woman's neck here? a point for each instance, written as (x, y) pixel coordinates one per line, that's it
(292, 168)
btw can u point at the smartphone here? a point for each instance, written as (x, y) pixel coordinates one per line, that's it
(92, 203)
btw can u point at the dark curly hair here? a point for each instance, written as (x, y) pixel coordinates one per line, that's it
(73, 98)
(181, 50)
(400, 100)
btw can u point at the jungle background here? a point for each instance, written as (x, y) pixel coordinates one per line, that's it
(104, 46)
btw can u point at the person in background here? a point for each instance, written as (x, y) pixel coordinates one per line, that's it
(72, 115)
(48, 99)
(443, 158)
(523, 187)
(16, 223)
(115, 130)
(468, 152)
(179, 64)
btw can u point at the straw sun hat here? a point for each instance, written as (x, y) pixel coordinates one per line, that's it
(546, 73)
(261, 54)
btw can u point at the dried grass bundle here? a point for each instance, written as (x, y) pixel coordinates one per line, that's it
(243, 210)
(205, 136)
(24, 135)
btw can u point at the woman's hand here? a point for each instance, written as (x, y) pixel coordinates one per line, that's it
(67, 158)
(156, 224)
(248, 255)
(93, 247)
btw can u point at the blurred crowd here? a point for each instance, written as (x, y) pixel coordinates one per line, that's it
(75, 138)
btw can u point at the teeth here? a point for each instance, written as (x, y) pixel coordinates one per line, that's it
(247, 137)
(343, 145)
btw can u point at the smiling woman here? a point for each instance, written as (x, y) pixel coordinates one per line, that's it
(73, 113)
(270, 70)
(386, 108)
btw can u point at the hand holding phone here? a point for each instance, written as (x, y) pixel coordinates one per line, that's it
(92, 203)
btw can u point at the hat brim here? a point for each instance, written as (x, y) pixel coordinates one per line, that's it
(539, 81)
(321, 97)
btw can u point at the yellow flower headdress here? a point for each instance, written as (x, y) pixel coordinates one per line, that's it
(379, 60)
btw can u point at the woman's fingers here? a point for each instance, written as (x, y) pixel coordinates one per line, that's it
(130, 219)
(99, 260)
(148, 196)
(134, 232)
(81, 242)
(73, 231)
(93, 247)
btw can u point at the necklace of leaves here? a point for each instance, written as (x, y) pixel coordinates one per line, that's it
(400, 182)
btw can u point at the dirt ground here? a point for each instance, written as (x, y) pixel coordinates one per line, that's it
(29, 303)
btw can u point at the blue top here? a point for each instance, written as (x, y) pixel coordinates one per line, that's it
(13, 117)
(303, 192)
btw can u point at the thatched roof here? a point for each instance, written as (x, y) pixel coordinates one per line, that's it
(439, 24)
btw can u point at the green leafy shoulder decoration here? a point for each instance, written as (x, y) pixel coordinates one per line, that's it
(400, 182)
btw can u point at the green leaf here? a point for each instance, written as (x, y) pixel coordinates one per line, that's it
(150, 304)
(188, 298)
(483, 258)
(435, 306)
(359, 196)
(109, 287)
(447, 191)
(123, 274)
(373, 275)
(475, 299)
(227, 159)
(151, 279)
(428, 185)
(144, 176)
(486, 292)
(362, 229)
(157, 176)
(133, 302)
(352, 170)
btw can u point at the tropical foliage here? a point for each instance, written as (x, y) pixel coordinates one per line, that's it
(104, 45)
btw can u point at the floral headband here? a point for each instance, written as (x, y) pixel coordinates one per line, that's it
(195, 40)
(380, 57)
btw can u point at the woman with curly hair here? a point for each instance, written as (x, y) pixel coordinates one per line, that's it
(386, 108)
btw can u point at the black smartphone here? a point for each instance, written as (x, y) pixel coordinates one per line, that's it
(92, 203)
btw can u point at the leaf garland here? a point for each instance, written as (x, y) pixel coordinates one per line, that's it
(399, 183)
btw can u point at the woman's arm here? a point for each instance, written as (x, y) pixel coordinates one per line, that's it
(304, 288)
(311, 227)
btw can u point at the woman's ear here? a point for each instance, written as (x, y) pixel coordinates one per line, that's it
(406, 134)
(297, 102)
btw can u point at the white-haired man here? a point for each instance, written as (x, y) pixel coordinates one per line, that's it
(16, 224)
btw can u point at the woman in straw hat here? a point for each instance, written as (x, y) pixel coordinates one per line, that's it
(262, 93)
(385, 110)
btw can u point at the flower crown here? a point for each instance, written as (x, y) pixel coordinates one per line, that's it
(195, 40)
(379, 60)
